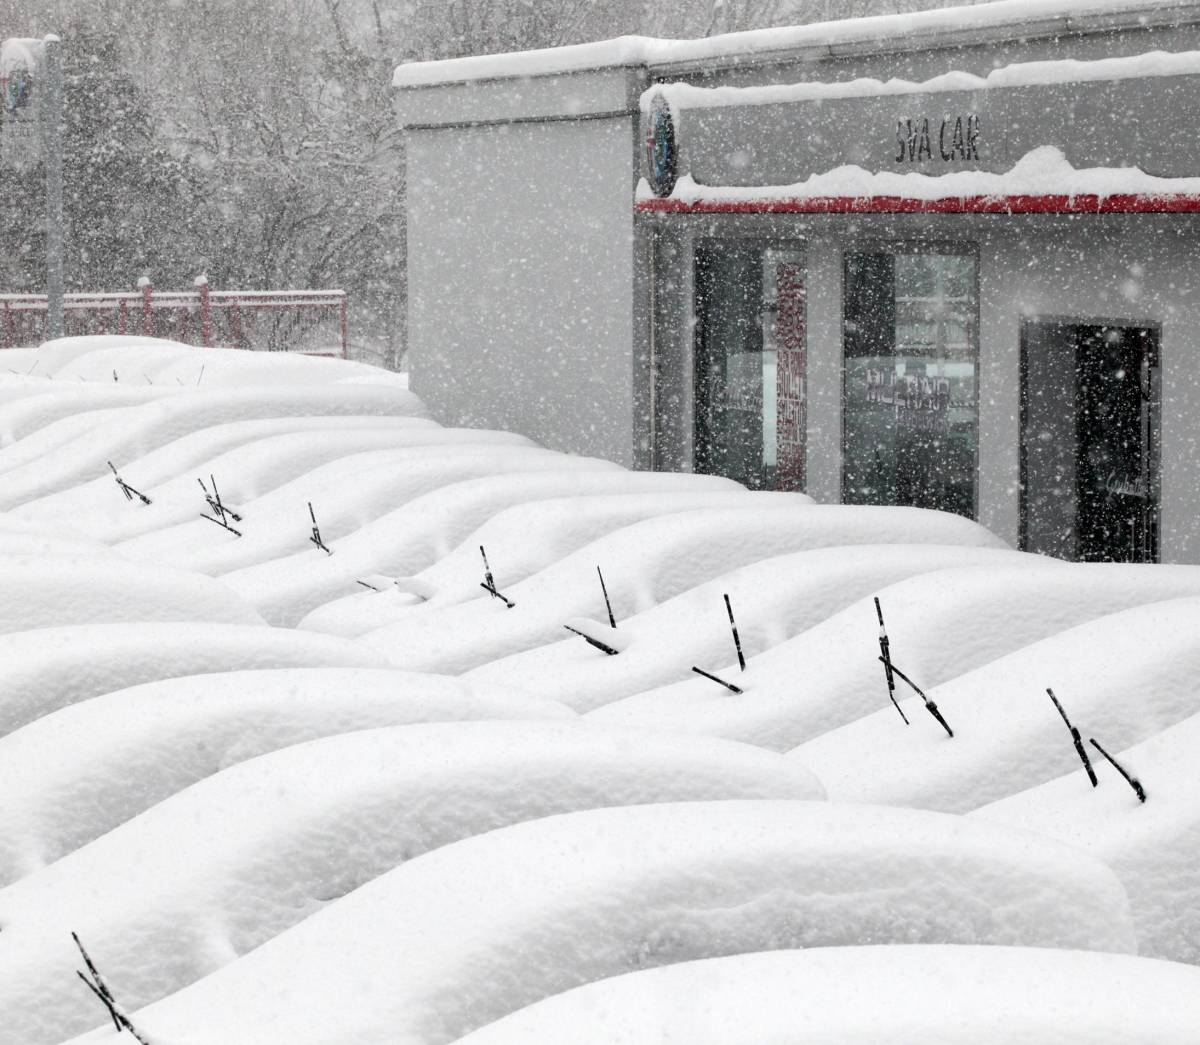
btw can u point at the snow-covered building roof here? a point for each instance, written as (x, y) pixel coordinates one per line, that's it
(955, 26)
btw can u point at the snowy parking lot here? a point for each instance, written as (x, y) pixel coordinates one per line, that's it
(321, 722)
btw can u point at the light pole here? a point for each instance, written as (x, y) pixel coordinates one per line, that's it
(37, 65)
(51, 116)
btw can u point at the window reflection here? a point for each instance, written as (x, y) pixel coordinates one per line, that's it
(911, 395)
(750, 364)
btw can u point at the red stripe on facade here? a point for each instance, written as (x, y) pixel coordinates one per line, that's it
(1123, 203)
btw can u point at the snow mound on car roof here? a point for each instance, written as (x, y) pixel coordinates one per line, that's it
(413, 536)
(645, 564)
(910, 995)
(772, 600)
(151, 425)
(939, 625)
(45, 591)
(345, 493)
(74, 774)
(272, 840)
(476, 930)
(1153, 847)
(243, 471)
(49, 668)
(1126, 676)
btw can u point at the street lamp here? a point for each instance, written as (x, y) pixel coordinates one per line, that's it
(31, 83)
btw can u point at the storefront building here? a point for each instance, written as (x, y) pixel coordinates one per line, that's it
(949, 260)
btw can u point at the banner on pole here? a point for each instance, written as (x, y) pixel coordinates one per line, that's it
(20, 137)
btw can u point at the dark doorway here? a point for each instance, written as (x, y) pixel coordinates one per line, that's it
(750, 355)
(1089, 441)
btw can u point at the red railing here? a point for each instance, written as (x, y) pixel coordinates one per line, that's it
(314, 322)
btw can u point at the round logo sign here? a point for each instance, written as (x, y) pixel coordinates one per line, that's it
(661, 149)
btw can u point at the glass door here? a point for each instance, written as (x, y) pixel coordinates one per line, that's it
(1089, 441)
(750, 356)
(911, 420)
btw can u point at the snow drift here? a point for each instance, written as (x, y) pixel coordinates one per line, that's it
(1152, 847)
(412, 537)
(49, 668)
(855, 995)
(645, 564)
(773, 600)
(62, 589)
(149, 426)
(345, 494)
(275, 839)
(89, 505)
(1124, 677)
(74, 774)
(476, 930)
(939, 624)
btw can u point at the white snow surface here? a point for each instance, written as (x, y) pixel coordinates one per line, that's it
(55, 434)
(44, 591)
(241, 368)
(940, 625)
(74, 774)
(116, 362)
(22, 417)
(172, 364)
(53, 356)
(273, 835)
(645, 564)
(90, 506)
(149, 426)
(464, 935)
(1041, 171)
(908, 995)
(20, 363)
(19, 539)
(524, 539)
(772, 601)
(50, 668)
(1151, 847)
(407, 539)
(345, 494)
(1126, 676)
(244, 473)
(284, 835)
(820, 37)
(225, 367)
(682, 95)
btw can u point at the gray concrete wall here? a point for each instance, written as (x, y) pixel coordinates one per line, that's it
(523, 98)
(521, 279)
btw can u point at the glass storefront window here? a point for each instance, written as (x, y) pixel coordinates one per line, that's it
(911, 392)
(750, 364)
